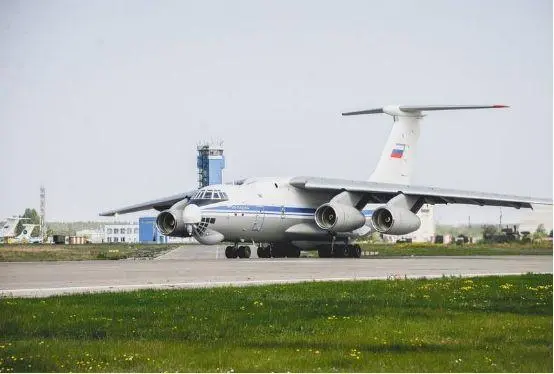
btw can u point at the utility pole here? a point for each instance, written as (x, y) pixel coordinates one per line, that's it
(42, 212)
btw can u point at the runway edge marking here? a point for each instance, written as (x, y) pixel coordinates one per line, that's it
(55, 291)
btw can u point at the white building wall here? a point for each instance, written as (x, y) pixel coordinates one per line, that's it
(128, 233)
(93, 236)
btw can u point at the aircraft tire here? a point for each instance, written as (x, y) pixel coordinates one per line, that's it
(342, 251)
(356, 251)
(267, 251)
(293, 252)
(277, 251)
(324, 252)
(230, 252)
(244, 251)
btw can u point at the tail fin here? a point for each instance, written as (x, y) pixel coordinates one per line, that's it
(396, 162)
(25, 235)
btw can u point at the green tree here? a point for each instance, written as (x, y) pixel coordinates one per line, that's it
(33, 218)
(540, 232)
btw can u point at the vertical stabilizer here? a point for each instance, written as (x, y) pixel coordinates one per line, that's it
(397, 159)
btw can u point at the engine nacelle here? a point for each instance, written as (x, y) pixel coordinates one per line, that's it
(338, 217)
(179, 219)
(170, 223)
(395, 221)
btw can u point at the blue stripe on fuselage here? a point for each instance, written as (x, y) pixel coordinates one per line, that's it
(269, 209)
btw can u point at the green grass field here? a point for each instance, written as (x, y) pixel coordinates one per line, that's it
(49, 252)
(498, 324)
(427, 249)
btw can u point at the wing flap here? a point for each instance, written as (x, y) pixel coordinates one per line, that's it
(158, 204)
(382, 192)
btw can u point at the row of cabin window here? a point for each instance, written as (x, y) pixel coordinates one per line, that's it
(115, 240)
(117, 231)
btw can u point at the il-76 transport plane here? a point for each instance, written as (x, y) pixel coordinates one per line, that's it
(282, 215)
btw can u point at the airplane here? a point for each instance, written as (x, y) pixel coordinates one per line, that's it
(25, 235)
(8, 227)
(284, 215)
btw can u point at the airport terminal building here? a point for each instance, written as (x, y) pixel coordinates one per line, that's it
(121, 233)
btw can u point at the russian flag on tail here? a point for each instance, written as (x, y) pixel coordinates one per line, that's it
(398, 150)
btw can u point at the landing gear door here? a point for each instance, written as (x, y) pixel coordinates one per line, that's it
(259, 216)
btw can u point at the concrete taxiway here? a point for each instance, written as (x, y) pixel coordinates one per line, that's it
(200, 266)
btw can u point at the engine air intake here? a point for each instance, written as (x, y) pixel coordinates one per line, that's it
(337, 217)
(166, 223)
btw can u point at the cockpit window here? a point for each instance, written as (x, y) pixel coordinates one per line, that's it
(208, 196)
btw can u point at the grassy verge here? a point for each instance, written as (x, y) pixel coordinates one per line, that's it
(426, 249)
(500, 324)
(48, 252)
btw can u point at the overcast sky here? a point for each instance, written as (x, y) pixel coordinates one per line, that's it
(104, 102)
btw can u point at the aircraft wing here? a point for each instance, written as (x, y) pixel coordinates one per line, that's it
(158, 204)
(383, 192)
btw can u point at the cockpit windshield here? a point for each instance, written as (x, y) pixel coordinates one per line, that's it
(208, 196)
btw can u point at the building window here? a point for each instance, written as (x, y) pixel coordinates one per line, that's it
(116, 231)
(136, 230)
(109, 240)
(123, 239)
(115, 240)
(129, 231)
(109, 231)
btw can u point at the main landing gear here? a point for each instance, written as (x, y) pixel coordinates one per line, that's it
(278, 250)
(234, 251)
(340, 251)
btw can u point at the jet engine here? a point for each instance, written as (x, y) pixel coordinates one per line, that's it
(395, 221)
(338, 217)
(179, 221)
(186, 221)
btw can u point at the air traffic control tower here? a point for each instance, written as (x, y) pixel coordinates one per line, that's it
(210, 163)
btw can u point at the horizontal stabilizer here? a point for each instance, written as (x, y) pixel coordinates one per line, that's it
(399, 110)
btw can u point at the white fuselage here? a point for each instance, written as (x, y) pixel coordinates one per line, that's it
(265, 209)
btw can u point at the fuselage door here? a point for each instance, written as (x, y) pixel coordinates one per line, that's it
(258, 218)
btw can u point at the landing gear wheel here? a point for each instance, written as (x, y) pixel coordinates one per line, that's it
(264, 252)
(244, 251)
(231, 252)
(293, 252)
(342, 251)
(324, 252)
(277, 251)
(356, 251)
